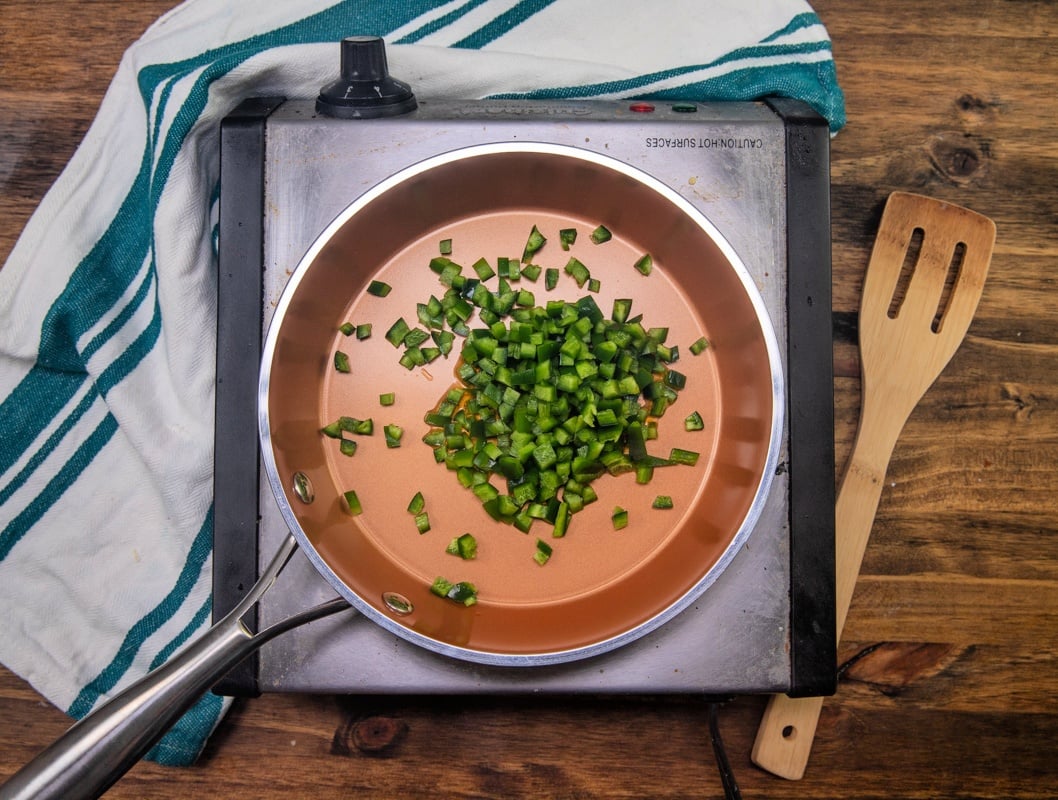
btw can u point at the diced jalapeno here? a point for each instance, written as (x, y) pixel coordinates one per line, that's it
(461, 592)
(699, 345)
(531, 271)
(393, 434)
(397, 331)
(361, 427)
(533, 244)
(550, 278)
(483, 269)
(681, 456)
(352, 502)
(576, 270)
(415, 337)
(543, 552)
(464, 546)
(601, 234)
(379, 288)
(417, 504)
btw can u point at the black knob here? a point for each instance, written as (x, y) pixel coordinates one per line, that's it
(365, 89)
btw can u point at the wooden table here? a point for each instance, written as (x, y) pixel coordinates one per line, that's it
(952, 639)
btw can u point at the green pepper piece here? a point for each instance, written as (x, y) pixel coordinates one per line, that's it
(601, 234)
(550, 278)
(542, 553)
(464, 546)
(483, 269)
(675, 379)
(576, 269)
(379, 288)
(352, 502)
(414, 337)
(393, 434)
(699, 345)
(397, 331)
(561, 523)
(531, 271)
(417, 504)
(463, 592)
(681, 456)
(361, 427)
(533, 244)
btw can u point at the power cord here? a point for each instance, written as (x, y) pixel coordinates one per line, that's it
(727, 777)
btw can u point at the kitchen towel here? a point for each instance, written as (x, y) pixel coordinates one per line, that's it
(107, 302)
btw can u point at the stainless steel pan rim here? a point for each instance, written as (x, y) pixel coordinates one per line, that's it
(279, 484)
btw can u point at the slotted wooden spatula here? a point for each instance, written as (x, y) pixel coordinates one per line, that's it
(909, 330)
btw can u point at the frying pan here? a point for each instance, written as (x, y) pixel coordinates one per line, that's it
(603, 587)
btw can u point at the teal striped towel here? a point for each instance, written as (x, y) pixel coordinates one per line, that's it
(107, 301)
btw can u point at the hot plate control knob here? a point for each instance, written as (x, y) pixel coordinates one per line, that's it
(365, 89)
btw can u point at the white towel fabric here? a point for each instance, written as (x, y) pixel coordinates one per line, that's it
(108, 300)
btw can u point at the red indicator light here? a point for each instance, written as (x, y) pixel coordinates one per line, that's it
(641, 108)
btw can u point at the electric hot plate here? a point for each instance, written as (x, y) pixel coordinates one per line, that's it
(757, 171)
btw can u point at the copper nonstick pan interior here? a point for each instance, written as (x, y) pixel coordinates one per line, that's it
(602, 587)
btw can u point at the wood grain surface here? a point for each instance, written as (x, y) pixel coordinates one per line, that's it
(951, 645)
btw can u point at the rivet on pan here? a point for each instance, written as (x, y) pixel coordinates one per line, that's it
(397, 603)
(303, 488)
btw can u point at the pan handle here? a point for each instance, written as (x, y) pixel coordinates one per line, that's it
(86, 760)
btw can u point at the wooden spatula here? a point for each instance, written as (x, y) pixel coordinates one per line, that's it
(909, 330)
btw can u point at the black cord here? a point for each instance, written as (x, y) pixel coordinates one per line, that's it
(727, 777)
